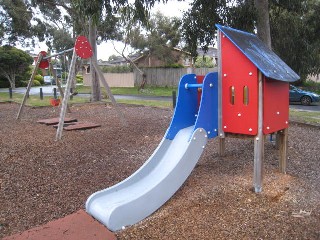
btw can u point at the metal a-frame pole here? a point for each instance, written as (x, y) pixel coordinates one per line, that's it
(220, 129)
(106, 86)
(259, 141)
(40, 57)
(66, 96)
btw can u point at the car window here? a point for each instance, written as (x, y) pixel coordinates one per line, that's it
(292, 87)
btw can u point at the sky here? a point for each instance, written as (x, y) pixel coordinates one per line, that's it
(173, 8)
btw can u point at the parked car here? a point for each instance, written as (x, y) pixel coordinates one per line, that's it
(304, 97)
(49, 80)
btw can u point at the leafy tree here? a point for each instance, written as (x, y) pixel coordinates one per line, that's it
(114, 57)
(105, 14)
(157, 35)
(13, 62)
(198, 23)
(162, 37)
(293, 27)
(204, 61)
(15, 17)
(295, 34)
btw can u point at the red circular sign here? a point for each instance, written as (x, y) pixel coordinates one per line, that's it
(83, 47)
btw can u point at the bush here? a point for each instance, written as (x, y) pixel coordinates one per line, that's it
(4, 83)
(36, 83)
(204, 61)
(79, 78)
(311, 86)
(39, 78)
(174, 65)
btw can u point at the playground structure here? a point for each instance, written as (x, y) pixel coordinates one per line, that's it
(247, 98)
(83, 50)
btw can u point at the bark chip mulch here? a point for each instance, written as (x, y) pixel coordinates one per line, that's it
(42, 179)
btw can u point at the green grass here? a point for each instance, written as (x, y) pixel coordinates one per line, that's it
(296, 115)
(35, 101)
(162, 104)
(147, 91)
(305, 116)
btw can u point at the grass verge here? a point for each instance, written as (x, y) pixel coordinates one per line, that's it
(305, 116)
(34, 101)
(147, 91)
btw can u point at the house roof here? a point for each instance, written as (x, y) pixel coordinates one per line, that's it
(260, 55)
(212, 52)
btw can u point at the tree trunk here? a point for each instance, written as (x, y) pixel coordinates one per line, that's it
(96, 92)
(263, 23)
(13, 85)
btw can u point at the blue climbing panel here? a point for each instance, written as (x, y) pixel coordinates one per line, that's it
(208, 110)
(188, 113)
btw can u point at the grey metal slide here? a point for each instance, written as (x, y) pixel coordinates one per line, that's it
(146, 190)
(138, 196)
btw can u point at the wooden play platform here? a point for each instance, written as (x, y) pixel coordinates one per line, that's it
(69, 124)
(78, 126)
(54, 121)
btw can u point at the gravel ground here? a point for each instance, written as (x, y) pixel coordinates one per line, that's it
(42, 180)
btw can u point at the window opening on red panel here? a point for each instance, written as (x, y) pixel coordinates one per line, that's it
(246, 95)
(232, 95)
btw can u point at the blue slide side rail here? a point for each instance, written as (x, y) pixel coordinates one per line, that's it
(186, 107)
(208, 110)
(187, 111)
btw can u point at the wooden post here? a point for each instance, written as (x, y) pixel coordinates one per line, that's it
(40, 57)
(66, 97)
(220, 129)
(106, 86)
(259, 142)
(283, 148)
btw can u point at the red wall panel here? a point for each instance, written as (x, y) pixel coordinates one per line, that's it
(200, 81)
(276, 105)
(238, 72)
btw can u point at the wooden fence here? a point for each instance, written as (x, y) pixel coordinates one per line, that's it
(169, 77)
(113, 79)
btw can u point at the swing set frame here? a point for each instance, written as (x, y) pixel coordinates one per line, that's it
(83, 50)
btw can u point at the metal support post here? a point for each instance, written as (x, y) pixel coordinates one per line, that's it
(55, 93)
(41, 94)
(57, 54)
(259, 142)
(220, 129)
(174, 99)
(10, 93)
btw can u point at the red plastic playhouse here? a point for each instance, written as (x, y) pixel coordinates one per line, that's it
(254, 99)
